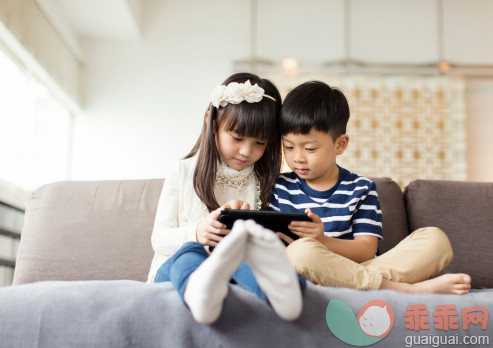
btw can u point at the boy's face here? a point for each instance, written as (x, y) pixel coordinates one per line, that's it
(313, 156)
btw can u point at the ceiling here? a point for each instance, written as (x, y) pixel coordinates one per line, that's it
(97, 19)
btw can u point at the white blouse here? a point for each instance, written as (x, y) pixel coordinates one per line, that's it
(180, 209)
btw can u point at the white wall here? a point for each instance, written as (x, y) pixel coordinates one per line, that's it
(144, 99)
(479, 129)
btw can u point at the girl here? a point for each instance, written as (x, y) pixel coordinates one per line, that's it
(234, 164)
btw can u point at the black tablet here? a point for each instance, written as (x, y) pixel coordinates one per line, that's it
(273, 220)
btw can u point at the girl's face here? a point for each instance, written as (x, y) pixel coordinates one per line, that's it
(239, 152)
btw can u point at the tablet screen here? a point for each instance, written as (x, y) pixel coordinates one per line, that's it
(273, 220)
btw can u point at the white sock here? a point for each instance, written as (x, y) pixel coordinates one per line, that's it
(266, 254)
(207, 286)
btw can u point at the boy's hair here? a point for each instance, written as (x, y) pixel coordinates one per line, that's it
(315, 104)
(256, 120)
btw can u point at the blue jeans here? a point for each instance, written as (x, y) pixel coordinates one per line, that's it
(190, 256)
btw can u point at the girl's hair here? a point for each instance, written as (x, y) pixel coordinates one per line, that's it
(256, 120)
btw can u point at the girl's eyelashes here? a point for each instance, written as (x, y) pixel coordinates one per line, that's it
(307, 149)
(238, 139)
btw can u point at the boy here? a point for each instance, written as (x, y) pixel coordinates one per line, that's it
(338, 247)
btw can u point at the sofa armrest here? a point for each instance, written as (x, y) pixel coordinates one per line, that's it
(88, 230)
(394, 220)
(463, 211)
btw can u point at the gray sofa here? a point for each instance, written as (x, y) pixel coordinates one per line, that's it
(85, 252)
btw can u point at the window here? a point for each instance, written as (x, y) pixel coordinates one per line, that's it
(35, 130)
(35, 149)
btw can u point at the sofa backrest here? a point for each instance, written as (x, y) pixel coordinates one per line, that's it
(88, 230)
(463, 211)
(394, 220)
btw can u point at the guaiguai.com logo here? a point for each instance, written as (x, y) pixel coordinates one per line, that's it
(374, 321)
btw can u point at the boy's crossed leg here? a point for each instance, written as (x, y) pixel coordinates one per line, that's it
(414, 263)
(407, 267)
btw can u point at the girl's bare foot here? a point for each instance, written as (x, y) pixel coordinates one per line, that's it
(450, 283)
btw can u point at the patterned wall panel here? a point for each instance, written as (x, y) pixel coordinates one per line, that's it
(405, 128)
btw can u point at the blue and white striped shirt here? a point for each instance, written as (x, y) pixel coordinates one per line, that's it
(348, 209)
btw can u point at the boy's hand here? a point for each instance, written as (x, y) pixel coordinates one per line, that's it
(312, 229)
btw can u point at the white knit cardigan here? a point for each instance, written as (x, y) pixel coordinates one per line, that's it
(180, 209)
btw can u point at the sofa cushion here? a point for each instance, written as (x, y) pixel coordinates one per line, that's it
(394, 220)
(124, 313)
(98, 230)
(463, 211)
(84, 230)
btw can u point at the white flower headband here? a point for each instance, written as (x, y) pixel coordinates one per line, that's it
(235, 93)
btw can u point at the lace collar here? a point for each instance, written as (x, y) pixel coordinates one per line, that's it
(228, 177)
(224, 173)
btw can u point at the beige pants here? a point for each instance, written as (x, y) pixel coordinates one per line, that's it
(420, 256)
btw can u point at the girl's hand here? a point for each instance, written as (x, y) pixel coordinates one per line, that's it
(313, 229)
(285, 238)
(236, 204)
(210, 231)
